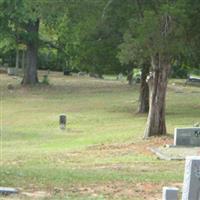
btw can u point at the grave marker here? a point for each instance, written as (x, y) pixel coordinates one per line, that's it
(170, 193)
(62, 121)
(7, 190)
(191, 186)
(187, 136)
(192, 79)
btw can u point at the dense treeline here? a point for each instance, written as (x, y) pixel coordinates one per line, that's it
(105, 36)
(91, 35)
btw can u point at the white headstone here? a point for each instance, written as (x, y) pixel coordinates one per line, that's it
(191, 186)
(7, 190)
(170, 193)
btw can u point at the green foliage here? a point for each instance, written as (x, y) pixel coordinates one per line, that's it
(159, 29)
(45, 80)
(100, 48)
(102, 36)
(179, 71)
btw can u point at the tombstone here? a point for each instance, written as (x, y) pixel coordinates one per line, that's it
(11, 71)
(67, 72)
(170, 193)
(192, 79)
(187, 136)
(62, 121)
(7, 190)
(191, 185)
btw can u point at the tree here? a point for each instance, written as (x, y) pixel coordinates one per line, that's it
(191, 57)
(161, 33)
(129, 54)
(157, 34)
(100, 46)
(144, 90)
(26, 16)
(30, 72)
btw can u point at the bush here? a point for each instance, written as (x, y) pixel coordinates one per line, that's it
(137, 75)
(45, 80)
(196, 72)
(179, 72)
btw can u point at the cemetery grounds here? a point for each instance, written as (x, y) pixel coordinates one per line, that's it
(101, 155)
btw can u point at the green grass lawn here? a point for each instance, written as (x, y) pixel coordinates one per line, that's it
(101, 155)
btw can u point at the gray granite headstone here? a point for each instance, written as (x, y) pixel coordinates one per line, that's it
(170, 193)
(187, 136)
(63, 121)
(191, 185)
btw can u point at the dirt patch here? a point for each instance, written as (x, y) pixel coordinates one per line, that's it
(120, 190)
(36, 194)
(140, 147)
(108, 191)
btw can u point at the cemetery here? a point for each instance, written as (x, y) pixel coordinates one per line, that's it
(75, 147)
(99, 100)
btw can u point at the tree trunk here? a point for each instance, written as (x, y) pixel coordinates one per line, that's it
(60, 63)
(144, 91)
(30, 72)
(130, 76)
(17, 60)
(23, 61)
(157, 81)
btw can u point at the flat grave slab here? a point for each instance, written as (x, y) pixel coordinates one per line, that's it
(175, 153)
(7, 191)
(187, 137)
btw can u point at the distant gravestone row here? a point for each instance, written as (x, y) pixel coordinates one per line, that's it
(191, 184)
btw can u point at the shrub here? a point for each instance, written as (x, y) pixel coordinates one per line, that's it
(179, 71)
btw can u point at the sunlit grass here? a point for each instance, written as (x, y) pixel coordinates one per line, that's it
(100, 114)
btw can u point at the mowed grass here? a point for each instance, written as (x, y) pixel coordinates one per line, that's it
(101, 155)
